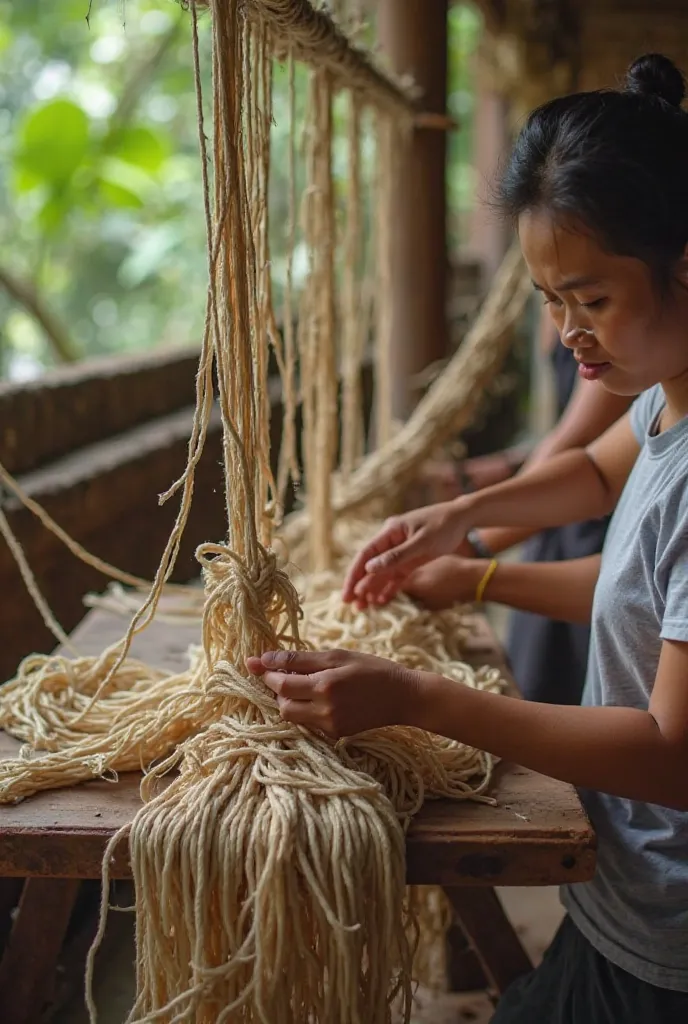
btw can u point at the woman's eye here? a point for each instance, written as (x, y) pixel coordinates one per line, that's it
(595, 304)
(553, 301)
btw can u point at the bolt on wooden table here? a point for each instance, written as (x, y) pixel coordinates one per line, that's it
(536, 835)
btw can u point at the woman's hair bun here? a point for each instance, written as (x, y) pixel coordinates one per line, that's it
(656, 75)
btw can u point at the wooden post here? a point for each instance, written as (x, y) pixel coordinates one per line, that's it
(413, 36)
(489, 234)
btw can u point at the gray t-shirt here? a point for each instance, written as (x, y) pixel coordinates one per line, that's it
(635, 910)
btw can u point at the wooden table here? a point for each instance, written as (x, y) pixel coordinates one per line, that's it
(537, 834)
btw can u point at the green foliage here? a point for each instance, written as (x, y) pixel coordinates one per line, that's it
(100, 199)
(100, 195)
(52, 144)
(464, 34)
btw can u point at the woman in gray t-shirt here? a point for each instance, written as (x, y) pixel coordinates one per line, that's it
(598, 185)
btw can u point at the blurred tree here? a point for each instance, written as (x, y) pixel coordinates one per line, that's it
(102, 236)
(465, 25)
(100, 203)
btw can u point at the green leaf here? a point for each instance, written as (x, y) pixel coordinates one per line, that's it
(26, 180)
(53, 142)
(117, 195)
(141, 147)
(123, 184)
(53, 213)
(5, 37)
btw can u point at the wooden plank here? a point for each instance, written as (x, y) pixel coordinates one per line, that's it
(536, 835)
(88, 490)
(74, 406)
(28, 966)
(68, 985)
(59, 412)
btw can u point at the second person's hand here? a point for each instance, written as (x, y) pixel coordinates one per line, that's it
(403, 544)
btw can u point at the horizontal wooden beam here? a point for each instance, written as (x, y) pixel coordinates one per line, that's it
(44, 419)
(106, 498)
(312, 36)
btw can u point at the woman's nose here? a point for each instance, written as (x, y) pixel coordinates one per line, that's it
(575, 336)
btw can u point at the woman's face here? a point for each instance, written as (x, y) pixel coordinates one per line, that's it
(607, 310)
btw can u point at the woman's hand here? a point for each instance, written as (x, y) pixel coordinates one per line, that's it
(405, 543)
(340, 693)
(446, 581)
(446, 479)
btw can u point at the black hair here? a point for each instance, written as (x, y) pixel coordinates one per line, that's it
(615, 161)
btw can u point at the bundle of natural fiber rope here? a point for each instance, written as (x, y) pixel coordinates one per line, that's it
(268, 862)
(311, 35)
(446, 408)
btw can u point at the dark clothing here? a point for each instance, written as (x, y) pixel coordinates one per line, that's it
(575, 984)
(549, 659)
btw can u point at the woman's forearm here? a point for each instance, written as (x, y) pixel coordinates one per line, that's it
(600, 748)
(560, 590)
(567, 488)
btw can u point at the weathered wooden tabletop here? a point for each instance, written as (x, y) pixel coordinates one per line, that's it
(537, 834)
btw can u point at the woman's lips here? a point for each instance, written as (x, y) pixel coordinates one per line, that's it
(593, 371)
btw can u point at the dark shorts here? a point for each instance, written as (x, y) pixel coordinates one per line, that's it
(576, 985)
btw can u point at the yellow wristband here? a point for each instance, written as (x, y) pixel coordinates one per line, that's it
(489, 573)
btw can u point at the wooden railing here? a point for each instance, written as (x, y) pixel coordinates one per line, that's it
(95, 445)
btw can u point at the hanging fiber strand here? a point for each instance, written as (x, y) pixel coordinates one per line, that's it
(289, 471)
(353, 304)
(268, 862)
(389, 144)
(317, 320)
(444, 411)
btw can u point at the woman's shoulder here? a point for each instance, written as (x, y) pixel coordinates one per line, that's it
(645, 411)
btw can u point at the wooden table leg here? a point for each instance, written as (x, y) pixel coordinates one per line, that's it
(491, 934)
(464, 973)
(10, 893)
(29, 962)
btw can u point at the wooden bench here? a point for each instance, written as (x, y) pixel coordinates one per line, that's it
(536, 835)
